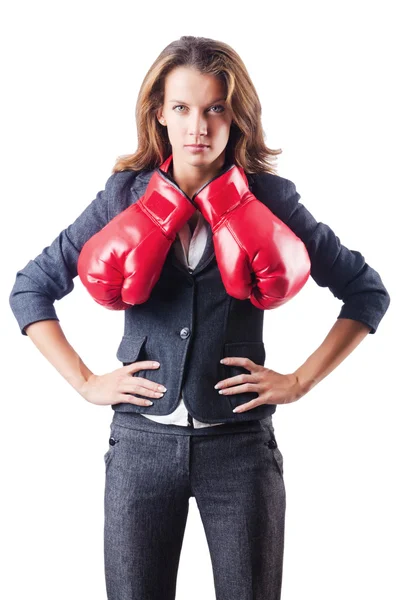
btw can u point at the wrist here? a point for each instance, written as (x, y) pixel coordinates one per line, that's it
(303, 381)
(83, 389)
(79, 381)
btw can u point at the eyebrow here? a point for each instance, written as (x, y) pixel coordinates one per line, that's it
(213, 102)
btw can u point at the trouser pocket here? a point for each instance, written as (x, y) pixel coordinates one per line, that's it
(113, 442)
(272, 445)
(277, 456)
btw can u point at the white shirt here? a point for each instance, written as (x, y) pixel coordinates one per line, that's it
(189, 249)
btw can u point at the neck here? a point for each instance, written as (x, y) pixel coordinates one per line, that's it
(190, 178)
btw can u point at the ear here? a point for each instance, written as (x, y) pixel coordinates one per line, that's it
(160, 117)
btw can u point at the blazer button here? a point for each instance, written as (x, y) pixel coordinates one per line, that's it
(272, 444)
(184, 333)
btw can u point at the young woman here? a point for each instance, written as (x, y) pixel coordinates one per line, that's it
(194, 236)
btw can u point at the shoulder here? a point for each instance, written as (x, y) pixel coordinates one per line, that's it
(278, 193)
(125, 188)
(120, 180)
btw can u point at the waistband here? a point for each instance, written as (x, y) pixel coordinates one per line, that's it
(137, 421)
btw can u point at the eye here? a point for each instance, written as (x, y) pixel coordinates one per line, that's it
(214, 106)
(218, 106)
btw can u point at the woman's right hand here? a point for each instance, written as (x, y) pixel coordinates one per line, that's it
(117, 386)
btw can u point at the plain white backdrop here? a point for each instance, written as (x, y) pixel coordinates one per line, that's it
(325, 75)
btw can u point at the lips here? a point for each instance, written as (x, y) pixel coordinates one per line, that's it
(197, 146)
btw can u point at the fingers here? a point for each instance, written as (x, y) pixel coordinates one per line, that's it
(236, 380)
(133, 400)
(149, 389)
(141, 365)
(241, 361)
(140, 385)
(240, 389)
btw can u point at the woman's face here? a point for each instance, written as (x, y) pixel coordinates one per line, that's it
(195, 112)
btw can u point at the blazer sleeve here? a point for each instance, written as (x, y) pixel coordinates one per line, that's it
(49, 276)
(345, 272)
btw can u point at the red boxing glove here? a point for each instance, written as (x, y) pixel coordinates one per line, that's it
(258, 256)
(121, 263)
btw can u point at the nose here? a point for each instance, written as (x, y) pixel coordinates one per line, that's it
(197, 125)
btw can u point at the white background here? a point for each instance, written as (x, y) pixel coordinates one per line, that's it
(325, 75)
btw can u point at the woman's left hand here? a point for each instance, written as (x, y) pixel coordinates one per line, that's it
(271, 387)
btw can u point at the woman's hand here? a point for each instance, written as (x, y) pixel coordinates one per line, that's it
(116, 386)
(271, 387)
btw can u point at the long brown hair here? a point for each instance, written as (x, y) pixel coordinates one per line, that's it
(246, 145)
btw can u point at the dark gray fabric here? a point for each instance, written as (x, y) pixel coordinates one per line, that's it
(237, 482)
(189, 322)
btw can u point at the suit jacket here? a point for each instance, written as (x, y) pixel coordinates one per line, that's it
(189, 322)
(189, 247)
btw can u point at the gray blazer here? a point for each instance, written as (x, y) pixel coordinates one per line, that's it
(189, 322)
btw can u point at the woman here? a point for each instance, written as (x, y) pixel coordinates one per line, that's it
(209, 434)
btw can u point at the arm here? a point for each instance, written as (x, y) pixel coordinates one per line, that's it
(345, 272)
(49, 338)
(50, 275)
(343, 338)
(110, 388)
(333, 265)
(277, 388)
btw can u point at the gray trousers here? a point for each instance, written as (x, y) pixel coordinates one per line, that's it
(235, 474)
